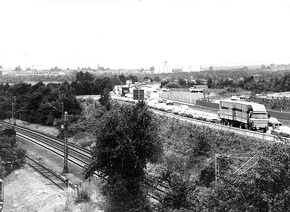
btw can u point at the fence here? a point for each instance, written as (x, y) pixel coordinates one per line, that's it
(178, 97)
(210, 105)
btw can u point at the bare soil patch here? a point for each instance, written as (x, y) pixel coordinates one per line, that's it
(55, 163)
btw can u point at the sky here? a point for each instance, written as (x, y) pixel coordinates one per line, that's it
(143, 33)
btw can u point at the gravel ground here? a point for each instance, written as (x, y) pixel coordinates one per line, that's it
(55, 163)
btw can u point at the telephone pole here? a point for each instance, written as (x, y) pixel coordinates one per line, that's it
(65, 166)
(216, 168)
(13, 112)
(1, 187)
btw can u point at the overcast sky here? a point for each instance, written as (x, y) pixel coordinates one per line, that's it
(143, 33)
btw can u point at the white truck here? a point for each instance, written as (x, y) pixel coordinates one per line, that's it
(247, 115)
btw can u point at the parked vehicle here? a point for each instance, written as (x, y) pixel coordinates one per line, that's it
(274, 122)
(189, 113)
(183, 109)
(247, 115)
(282, 131)
(176, 109)
(165, 89)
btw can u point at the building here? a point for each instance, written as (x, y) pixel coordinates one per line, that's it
(163, 68)
(176, 70)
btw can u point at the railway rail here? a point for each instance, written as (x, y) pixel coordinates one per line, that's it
(80, 156)
(58, 180)
(77, 155)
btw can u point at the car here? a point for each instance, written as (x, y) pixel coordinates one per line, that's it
(282, 131)
(168, 109)
(189, 113)
(169, 102)
(165, 89)
(160, 101)
(175, 109)
(274, 122)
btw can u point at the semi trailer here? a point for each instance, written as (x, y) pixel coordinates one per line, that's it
(246, 115)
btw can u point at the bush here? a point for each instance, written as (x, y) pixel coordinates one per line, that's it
(172, 85)
(12, 156)
(207, 176)
(83, 196)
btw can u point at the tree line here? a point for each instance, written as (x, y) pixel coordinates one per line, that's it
(44, 103)
(249, 80)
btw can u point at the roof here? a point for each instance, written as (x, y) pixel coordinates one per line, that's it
(254, 105)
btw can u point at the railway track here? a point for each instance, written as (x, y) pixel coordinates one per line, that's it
(56, 179)
(78, 156)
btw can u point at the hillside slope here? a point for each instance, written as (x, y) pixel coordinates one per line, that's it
(26, 190)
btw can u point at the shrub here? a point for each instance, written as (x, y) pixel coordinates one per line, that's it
(83, 196)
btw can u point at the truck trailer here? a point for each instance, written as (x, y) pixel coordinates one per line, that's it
(246, 115)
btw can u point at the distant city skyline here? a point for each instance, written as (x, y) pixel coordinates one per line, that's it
(134, 34)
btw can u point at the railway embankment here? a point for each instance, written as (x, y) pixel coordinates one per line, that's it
(26, 190)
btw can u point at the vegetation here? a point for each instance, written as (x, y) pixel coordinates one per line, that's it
(37, 103)
(273, 104)
(42, 103)
(127, 139)
(82, 196)
(188, 163)
(264, 188)
(11, 155)
(128, 142)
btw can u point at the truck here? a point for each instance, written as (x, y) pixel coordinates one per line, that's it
(246, 115)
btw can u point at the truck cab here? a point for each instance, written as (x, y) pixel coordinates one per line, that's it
(258, 120)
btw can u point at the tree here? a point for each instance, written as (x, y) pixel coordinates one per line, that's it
(156, 79)
(145, 78)
(173, 85)
(262, 67)
(105, 99)
(80, 76)
(182, 82)
(126, 140)
(133, 78)
(265, 188)
(122, 79)
(209, 82)
(12, 156)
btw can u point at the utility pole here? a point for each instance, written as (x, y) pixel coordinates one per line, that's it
(62, 110)
(65, 166)
(217, 169)
(1, 195)
(1, 186)
(13, 112)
